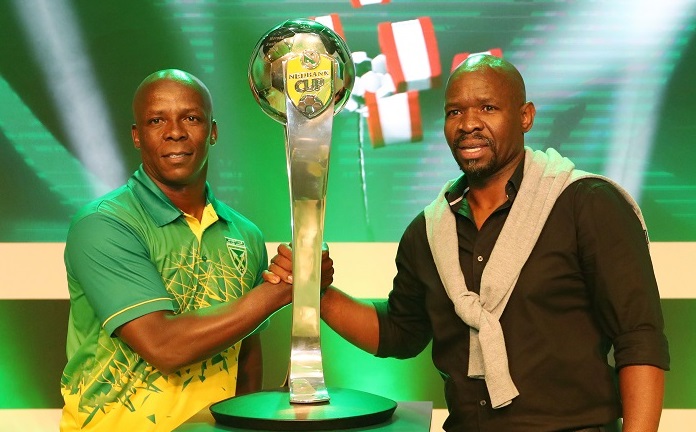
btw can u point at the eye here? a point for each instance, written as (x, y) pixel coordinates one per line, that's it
(192, 119)
(452, 112)
(488, 108)
(154, 121)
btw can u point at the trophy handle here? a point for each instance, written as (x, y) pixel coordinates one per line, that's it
(307, 144)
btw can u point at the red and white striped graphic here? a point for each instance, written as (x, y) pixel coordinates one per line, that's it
(361, 3)
(332, 21)
(410, 48)
(459, 58)
(393, 119)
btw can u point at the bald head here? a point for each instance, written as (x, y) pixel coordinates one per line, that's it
(502, 67)
(174, 75)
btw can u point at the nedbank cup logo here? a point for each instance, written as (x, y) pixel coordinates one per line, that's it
(309, 83)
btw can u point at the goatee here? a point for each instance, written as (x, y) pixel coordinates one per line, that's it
(475, 170)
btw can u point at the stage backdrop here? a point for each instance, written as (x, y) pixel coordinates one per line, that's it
(612, 82)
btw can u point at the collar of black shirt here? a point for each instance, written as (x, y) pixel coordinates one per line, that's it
(456, 193)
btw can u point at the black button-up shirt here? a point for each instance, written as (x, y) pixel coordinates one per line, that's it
(587, 286)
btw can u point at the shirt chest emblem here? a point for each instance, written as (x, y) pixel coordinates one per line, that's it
(238, 253)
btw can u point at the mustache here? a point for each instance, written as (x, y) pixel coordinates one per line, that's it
(471, 136)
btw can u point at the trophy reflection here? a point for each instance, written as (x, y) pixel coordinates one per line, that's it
(301, 74)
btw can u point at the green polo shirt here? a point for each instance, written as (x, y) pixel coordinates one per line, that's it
(130, 253)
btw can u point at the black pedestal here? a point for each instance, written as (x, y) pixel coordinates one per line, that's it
(271, 410)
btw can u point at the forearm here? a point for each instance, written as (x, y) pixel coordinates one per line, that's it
(353, 320)
(250, 366)
(170, 342)
(642, 393)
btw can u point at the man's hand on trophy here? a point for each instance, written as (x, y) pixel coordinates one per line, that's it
(281, 266)
(327, 268)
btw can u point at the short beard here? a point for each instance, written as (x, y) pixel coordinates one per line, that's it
(478, 172)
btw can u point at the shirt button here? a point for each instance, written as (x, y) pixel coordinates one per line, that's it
(479, 258)
(482, 403)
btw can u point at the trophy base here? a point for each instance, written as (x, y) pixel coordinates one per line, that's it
(271, 410)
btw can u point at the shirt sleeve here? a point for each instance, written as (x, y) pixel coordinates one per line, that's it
(111, 265)
(404, 325)
(615, 258)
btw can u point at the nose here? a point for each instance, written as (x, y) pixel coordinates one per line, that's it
(470, 121)
(175, 131)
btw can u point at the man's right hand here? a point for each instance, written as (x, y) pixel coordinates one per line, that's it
(281, 266)
(356, 321)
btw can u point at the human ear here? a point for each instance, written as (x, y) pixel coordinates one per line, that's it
(135, 136)
(527, 113)
(213, 132)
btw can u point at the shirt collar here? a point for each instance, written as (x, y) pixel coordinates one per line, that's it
(158, 205)
(456, 193)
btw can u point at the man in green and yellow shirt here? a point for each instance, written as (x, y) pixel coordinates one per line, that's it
(165, 280)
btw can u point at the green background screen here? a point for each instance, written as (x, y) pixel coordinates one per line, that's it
(612, 82)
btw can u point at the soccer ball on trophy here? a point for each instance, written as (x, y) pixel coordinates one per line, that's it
(305, 39)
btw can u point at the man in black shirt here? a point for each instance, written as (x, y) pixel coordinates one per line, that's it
(524, 272)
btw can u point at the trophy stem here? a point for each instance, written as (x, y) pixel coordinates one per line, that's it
(308, 142)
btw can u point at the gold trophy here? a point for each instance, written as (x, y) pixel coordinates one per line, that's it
(301, 74)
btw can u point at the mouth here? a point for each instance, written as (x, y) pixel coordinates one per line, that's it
(471, 148)
(176, 155)
(471, 145)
